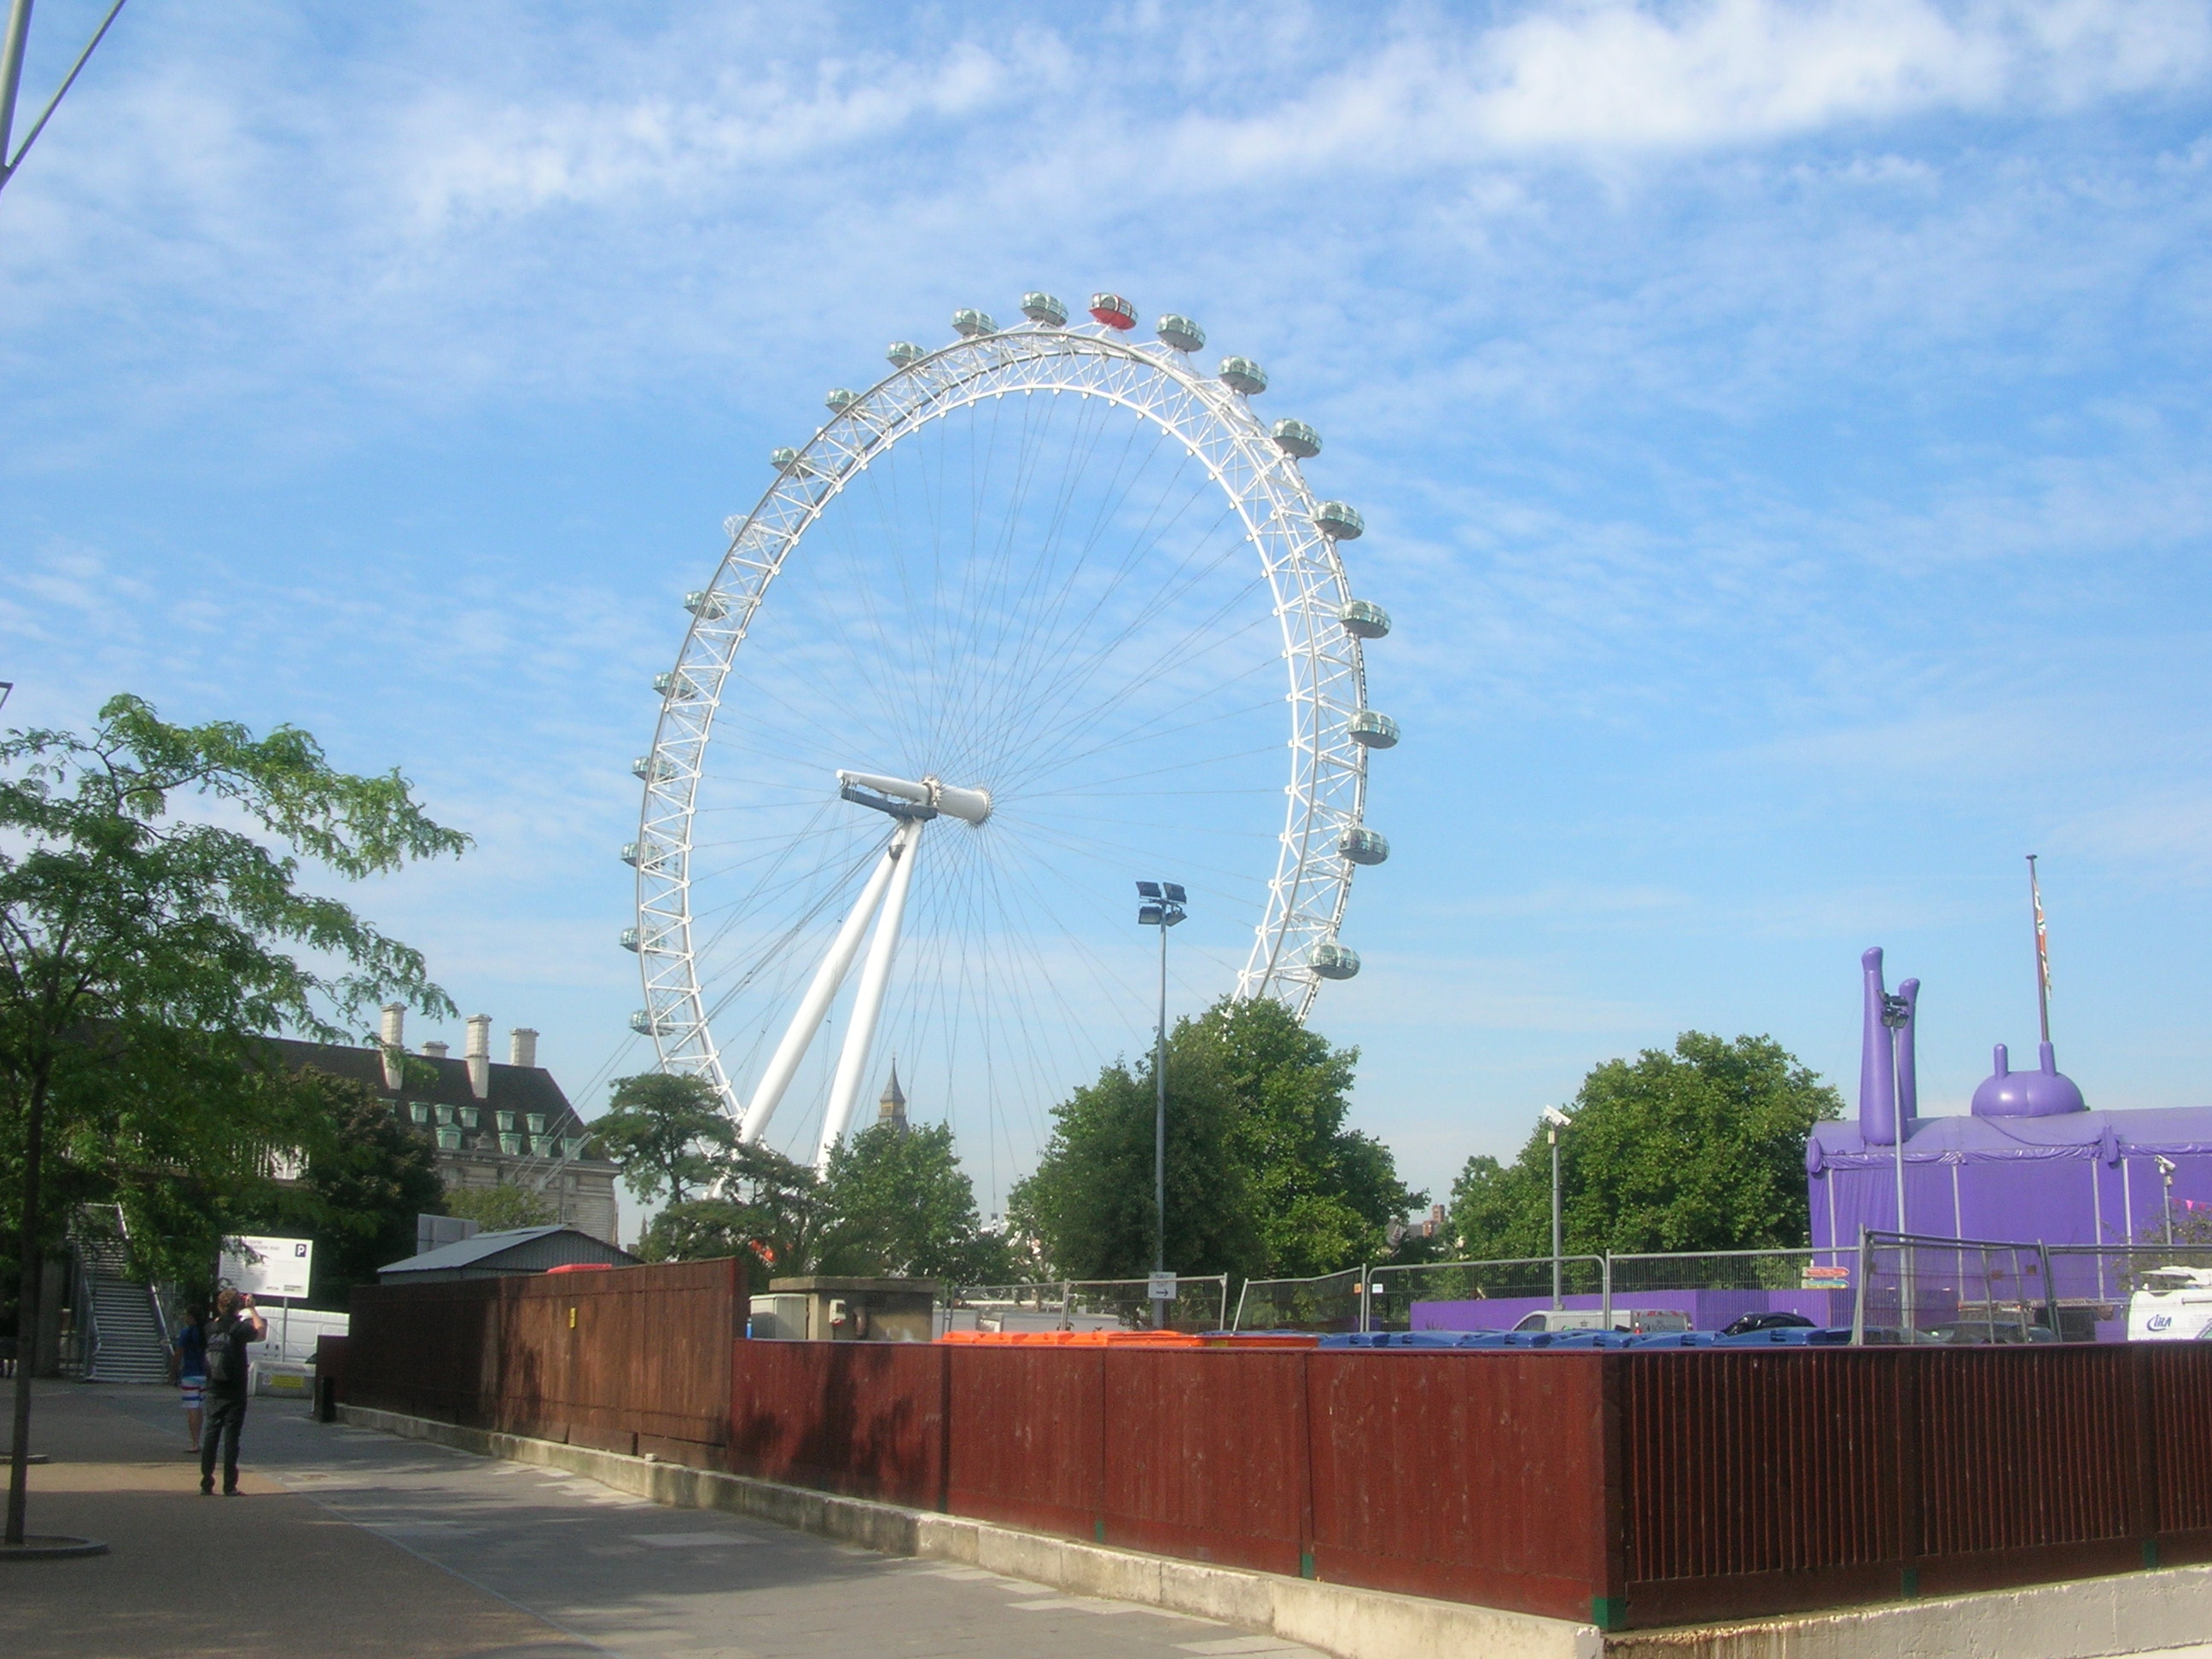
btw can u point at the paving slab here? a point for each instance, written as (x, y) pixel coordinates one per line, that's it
(352, 1542)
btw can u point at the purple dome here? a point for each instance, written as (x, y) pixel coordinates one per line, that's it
(2045, 1093)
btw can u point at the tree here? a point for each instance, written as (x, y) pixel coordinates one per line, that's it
(1702, 1149)
(773, 1220)
(501, 1209)
(1262, 1175)
(145, 955)
(897, 1201)
(666, 1132)
(1323, 1196)
(1088, 1202)
(365, 1185)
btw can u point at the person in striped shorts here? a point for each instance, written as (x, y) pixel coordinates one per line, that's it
(188, 1366)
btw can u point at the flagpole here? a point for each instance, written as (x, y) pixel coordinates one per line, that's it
(2042, 951)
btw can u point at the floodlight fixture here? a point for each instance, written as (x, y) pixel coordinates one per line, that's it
(1173, 892)
(1150, 890)
(1149, 915)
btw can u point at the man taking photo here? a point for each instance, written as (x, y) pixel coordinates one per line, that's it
(235, 1324)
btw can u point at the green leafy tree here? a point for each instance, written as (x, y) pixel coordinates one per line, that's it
(144, 954)
(1088, 1202)
(774, 1219)
(365, 1185)
(1701, 1149)
(1324, 1197)
(666, 1132)
(502, 1208)
(1263, 1175)
(897, 1201)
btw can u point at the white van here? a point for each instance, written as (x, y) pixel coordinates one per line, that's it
(1643, 1321)
(2174, 1305)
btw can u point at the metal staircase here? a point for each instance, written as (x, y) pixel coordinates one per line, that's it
(127, 1342)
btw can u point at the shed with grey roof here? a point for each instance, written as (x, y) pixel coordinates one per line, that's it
(497, 1255)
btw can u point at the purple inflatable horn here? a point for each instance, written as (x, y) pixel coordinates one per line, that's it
(1889, 1077)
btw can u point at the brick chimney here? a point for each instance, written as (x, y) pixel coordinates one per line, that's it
(478, 1055)
(391, 1031)
(522, 1047)
(436, 1050)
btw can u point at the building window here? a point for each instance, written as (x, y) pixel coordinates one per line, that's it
(536, 1122)
(470, 1116)
(449, 1140)
(510, 1144)
(420, 1110)
(506, 1122)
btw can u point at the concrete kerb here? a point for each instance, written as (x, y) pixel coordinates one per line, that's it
(1337, 1618)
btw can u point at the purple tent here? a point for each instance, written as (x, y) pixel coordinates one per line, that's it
(2030, 1162)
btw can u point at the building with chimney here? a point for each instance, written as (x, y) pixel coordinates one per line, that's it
(490, 1124)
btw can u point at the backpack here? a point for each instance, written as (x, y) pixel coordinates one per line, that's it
(222, 1356)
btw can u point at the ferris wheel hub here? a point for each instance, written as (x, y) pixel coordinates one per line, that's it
(932, 795)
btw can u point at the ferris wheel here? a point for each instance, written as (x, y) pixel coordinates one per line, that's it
(1043, 611)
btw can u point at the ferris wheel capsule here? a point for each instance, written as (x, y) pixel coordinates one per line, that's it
(1373, 731)
(1181, 332)
(1045, 309)
(1297, 439)
(1113, 311)
(971, 325)
(1365, 619)
(839, 400)
(1242, 374)
(1335, 961)
(902, 352)
(1363, 846)
(1340, 521)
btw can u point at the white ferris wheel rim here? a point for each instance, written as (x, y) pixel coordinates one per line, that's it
(1263, 485)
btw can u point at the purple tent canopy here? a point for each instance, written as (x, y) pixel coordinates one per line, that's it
(2031, 1162)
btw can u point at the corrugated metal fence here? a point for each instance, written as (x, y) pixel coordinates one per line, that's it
(1626, 1488)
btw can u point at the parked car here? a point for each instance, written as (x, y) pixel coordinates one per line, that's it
(2173, 1305)
(1639, 1321)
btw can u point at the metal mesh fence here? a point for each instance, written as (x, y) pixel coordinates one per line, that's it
(1714, 1289)
(1438, 1293)
(1199, 1304)
(1964, 1290)
(1098, 1304)
(2139, 1292)
(1329, 1303)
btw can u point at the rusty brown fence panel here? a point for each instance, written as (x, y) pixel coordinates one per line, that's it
(1758, 1475)
(1472, 1477)
(2177, 1462)
(865, 1418)
(1205, 1455)
(633, 1359)
(1026, 1437)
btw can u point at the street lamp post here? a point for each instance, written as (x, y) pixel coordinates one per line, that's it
(2165, 1168)
(1554, 1121)
(1163, 907)
(1895, 1012)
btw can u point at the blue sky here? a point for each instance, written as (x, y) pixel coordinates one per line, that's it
(1781, 429)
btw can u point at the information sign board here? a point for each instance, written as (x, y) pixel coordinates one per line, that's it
(268, 1266)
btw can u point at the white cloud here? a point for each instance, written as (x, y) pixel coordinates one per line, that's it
(1611, 77)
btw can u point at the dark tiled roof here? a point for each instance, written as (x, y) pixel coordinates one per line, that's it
(521, 1088)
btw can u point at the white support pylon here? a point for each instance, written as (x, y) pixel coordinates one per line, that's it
(868, 1002)
(828, 979)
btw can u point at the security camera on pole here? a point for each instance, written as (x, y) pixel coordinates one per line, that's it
(1163, 907)
(1554, 1121)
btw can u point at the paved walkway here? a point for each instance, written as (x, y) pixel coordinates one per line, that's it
(348, 1542)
